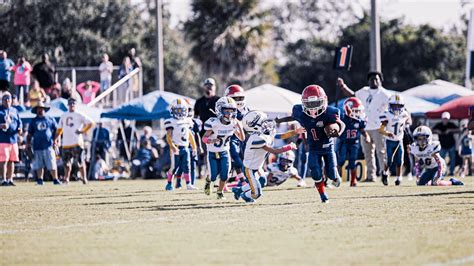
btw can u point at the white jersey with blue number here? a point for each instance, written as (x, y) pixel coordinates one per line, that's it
(255, 155)
(181, 130)
(425, 156)
(396, 123)
(221, 132)
(279, 176)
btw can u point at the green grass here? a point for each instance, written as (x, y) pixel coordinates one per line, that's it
(139, 222)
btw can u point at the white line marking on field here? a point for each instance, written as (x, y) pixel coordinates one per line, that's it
(73, 226)
(459, 261)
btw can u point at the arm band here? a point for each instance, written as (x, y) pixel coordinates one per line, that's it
(286, 148)
(205, 139)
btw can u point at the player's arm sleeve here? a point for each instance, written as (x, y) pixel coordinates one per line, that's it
(257, 143)
(59, 130)
(208, 124)
(296, 113)
(192, 141)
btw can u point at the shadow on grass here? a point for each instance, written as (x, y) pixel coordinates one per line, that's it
(117, 202)
(431, 194)
(194, 206)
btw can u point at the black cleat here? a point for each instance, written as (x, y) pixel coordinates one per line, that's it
(397, 182)
(385, 179)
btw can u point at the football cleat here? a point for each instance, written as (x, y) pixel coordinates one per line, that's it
(207, 188)
(169, 187)
(237, 192)
(4, 183)
(301, 183)
(57, 182)
(337, 182)
(10, 183)
(39, 182)
(385, 179)
(247, 199)
(84, 181)
(220, 195)
(456, 182)
(397, 182)
(191, 187)
(324, 197)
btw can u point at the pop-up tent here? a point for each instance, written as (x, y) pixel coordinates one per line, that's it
(458, 108)
(151, 106)
(414, 105)
(438, 91)
(27, 116)
(92, 112)
(271, 99)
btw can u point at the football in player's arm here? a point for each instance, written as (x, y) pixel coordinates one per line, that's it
(322, 123)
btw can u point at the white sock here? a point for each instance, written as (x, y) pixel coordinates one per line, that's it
(399, 178)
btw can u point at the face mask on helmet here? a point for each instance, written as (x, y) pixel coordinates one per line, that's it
(396, 108)
(228, 114)
(268, 127)
(179, 112)
(422, 141)
(315, 107)
(190, 112)
(284, 164)
(240, 101)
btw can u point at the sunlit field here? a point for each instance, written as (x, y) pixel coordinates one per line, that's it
(139, 222)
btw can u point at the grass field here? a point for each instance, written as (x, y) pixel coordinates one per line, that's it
(138, 222)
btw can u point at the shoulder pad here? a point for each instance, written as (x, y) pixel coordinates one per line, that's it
(331, 110)
(436, 147)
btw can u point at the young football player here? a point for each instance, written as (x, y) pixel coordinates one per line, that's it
(258, 145)
(322, 124)
(217, 136)
(393, 123)
(195, 129)
(178, 137)
(280, 171)
(465, 147)
(236, 146)
(349, 140)
(426, 153)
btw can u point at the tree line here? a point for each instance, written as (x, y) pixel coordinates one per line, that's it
(291, 45)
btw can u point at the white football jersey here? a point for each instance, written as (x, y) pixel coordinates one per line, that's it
(221, 132)
(70, 123)
(254, 155)
(278, 176)
(396, 123)
(425, 156)
(181, 130)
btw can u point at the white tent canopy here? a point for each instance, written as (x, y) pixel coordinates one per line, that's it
(271, 99)
(438, 91)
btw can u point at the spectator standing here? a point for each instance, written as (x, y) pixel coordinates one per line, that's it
(123, 91)
(88, 91)
(72, 126)
(446, 130)
(105, 68)
(204, 106)
(131, 139)
(375, 100)
(22, 79)
(136, 63)
(6, 66)
(101, 140)
(44, 73)
(68, 91)
(42, 130)
(10, 128)
(36, 94)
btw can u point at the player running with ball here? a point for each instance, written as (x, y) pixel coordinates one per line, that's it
(322, 124)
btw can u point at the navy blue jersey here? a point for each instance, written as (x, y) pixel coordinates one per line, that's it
(317, 138)
(351, 134)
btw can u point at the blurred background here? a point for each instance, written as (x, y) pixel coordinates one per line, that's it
(287, 43)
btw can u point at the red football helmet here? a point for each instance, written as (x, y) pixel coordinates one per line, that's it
(237, 93)
(353, 107)
(314, 100)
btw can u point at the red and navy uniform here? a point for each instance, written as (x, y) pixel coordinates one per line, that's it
(320, 145)
(350, 141)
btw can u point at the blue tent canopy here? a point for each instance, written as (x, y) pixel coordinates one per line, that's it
(151, 106)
